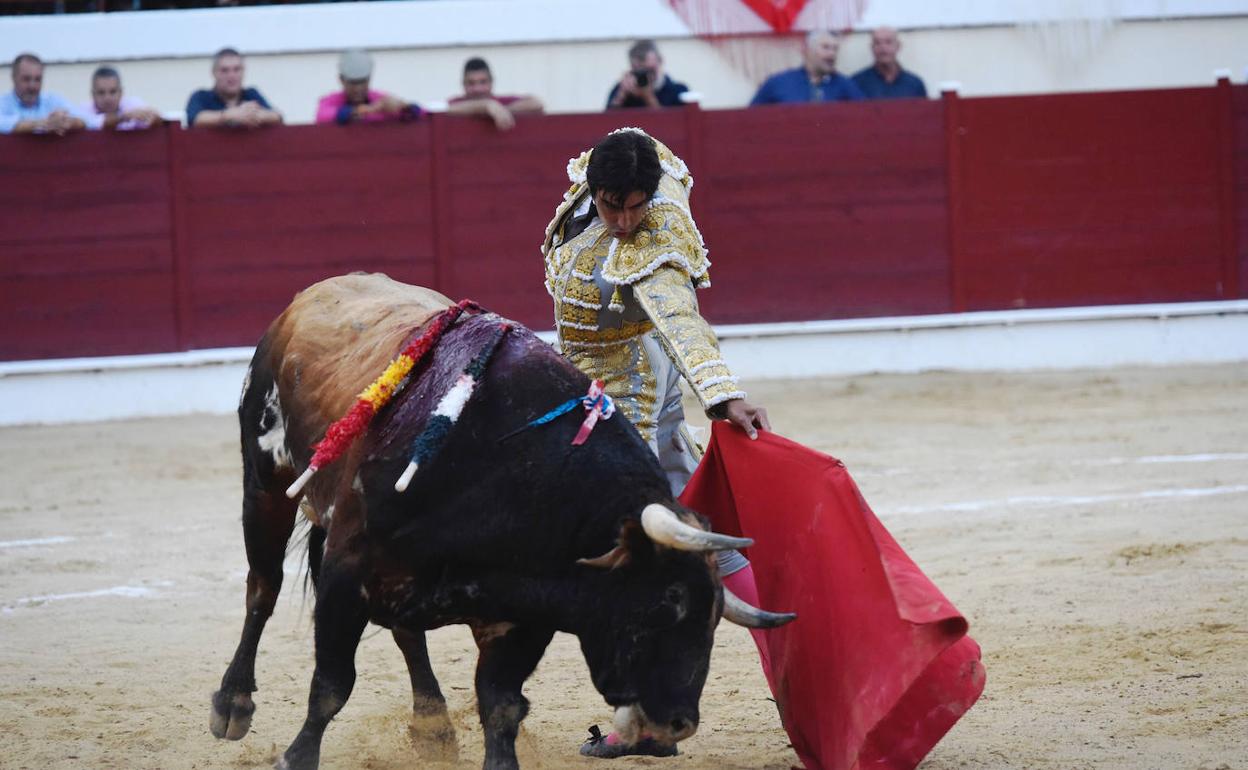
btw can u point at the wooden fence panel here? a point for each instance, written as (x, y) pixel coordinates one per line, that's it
(1239, 141)
(269, 212)
(825, 211)
(1088, 199)
(86, 266)
(174, 239)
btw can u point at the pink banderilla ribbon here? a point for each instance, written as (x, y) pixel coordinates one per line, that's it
(598, 405)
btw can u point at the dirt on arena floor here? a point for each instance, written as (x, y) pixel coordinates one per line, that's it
(1092, 526)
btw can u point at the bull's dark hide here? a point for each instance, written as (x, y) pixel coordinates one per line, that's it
(534, 481)
(518, 538)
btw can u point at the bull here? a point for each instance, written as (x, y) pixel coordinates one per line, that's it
(518, 538)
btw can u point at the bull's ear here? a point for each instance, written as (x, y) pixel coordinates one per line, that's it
(631, 540)
(613, 559)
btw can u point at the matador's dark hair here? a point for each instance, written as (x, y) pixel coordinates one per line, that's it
(622, 164)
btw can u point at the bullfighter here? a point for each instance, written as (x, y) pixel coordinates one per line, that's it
(624, 259)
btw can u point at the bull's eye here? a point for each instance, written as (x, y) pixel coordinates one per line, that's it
(670, 610)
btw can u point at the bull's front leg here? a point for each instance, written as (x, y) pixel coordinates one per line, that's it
(431, 728)
(508, 655)
(341, 615)
(268, 520)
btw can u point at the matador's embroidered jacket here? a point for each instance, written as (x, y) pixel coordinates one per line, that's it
(626, 310)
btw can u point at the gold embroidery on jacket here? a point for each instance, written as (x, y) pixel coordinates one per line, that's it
(666, 236)
(662, 263)
(668, 297)
(629, 378)
(579, 338)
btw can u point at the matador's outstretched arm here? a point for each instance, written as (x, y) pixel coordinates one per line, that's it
(668, 297)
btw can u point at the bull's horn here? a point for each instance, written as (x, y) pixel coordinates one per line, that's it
(665, 528)
(748, 615)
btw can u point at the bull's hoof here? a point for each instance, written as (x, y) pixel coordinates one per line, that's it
(433, 737)
(231, 716)
(297, 760)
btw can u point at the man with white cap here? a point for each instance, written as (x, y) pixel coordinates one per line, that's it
(356, 102)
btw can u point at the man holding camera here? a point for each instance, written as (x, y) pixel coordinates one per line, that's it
(645, 84)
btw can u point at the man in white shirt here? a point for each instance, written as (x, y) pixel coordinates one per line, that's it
(28, 110)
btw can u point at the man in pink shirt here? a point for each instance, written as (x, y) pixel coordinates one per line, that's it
(356, 102)
(109, 109)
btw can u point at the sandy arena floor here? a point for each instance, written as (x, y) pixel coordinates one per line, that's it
(1093, 527)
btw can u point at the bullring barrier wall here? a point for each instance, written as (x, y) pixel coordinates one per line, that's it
(175, 240)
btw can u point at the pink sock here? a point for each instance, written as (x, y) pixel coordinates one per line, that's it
(742, 584)
(613, 738)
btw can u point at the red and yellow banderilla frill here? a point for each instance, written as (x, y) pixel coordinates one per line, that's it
(373, 398)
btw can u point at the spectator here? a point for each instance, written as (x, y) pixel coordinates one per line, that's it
(356, 102)
(479, 97)
(228, 104)
(645, 84)
(815, 81)
(886, 79)
(109, 109)
(27, 110)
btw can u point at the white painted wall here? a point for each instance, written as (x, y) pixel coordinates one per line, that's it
(85, 390)
(569, 52)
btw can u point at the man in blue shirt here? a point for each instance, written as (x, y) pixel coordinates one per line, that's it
(815, 81)
(27, 110)
(228, 104)
(645, 84)
(886, 79)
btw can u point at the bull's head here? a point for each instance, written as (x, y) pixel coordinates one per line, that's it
(648, 645)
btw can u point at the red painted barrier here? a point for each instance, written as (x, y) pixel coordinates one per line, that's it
(824, 211)
(267, 213)
(1239, 185)
(86, 265)
(1089, 199)
(175, 239)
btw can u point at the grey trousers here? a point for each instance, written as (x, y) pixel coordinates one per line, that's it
(678, 453)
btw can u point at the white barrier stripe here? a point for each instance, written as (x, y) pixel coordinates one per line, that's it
(133, 592)
(1002, 318)
(1158, 459)
(1145, 460)
(1059, 501)
(91, 389)
(36, 541)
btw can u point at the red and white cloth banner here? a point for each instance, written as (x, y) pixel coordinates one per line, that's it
(711, 18)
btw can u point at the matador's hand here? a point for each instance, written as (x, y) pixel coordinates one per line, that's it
(746, 416)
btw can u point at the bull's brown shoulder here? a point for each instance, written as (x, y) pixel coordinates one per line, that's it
(338, 335)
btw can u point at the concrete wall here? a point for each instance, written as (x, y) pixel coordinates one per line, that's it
(421, 46)
(88, 390)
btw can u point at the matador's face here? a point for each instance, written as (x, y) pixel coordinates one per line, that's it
(622, 217)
